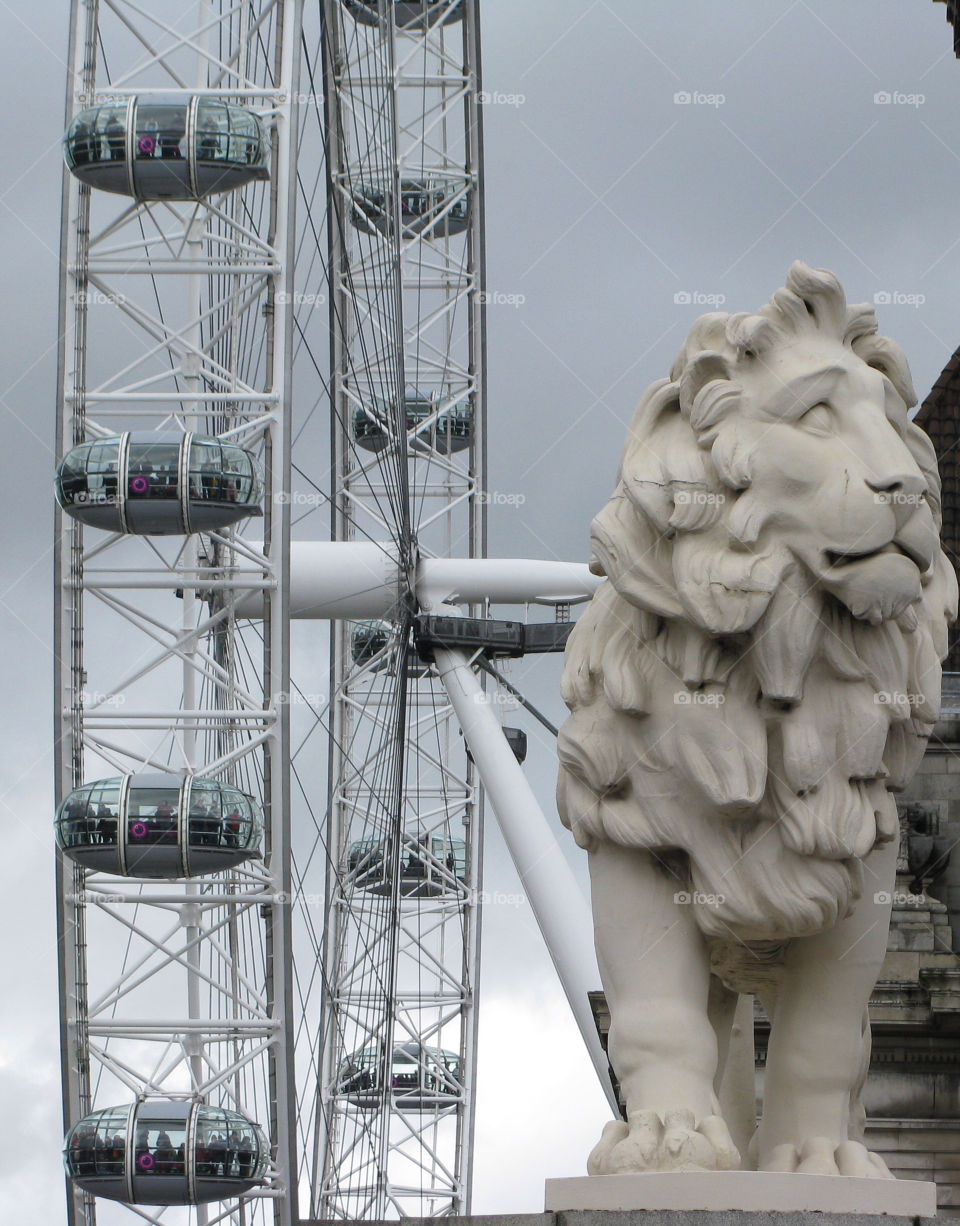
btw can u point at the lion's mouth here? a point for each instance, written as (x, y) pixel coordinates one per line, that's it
(836, 559)
(915, 551)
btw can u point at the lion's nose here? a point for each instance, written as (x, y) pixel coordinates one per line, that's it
(902, 492)
(907, 485)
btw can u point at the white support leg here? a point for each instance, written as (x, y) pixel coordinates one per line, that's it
(558, 904)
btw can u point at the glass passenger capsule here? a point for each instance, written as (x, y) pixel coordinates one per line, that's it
(451, 430)
(516, 738)
(429, 866)
(421, 1078)
(409, 14)
(166, 1152)
(156, 150)
(159, 825)
(435, 207)
(375, 643)
(153, 483)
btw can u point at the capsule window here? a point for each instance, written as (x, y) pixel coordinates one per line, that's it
(112, 124)
(207, 483)
(161, 132)
(365, 856)
(97, 1146)
(152, 816)
(405, 1073)
(244, 138)
(204, 814)
(212, 1154)
(226, 1146)
(227, 134)
(452, 854)
(240, 473)
(77, 819)
(97, 136)
(159, 1147)
(222, 473)
(210, 820)
(72, 476)
(101, 475)
(153, 469)
(104, 807)
(213, 127)
(237, 819)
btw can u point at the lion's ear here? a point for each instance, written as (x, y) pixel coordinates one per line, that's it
(922, 449)
(666, 477)
(708, 395)
(703, 369)
(885, 355)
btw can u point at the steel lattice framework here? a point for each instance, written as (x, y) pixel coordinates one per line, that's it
(404, 816)
(173, 315)
(327, 990)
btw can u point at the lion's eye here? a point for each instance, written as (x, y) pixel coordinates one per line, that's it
(818, 419)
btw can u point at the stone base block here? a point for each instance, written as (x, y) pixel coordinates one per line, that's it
(747, 1191)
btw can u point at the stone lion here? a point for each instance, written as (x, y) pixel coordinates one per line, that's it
(756, 678)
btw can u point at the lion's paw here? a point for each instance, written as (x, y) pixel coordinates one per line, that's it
(672, 1143)
(612, 1133)
(819, 1156)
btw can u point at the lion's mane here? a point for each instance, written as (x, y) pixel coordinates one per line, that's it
(723, 705)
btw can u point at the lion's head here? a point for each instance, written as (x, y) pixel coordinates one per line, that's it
(762, 667)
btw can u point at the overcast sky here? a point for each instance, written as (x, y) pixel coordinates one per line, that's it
(644, 160)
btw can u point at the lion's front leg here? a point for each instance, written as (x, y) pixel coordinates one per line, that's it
(655, 972)
(818, 1040)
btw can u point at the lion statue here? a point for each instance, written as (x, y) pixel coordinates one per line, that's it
(755, 679)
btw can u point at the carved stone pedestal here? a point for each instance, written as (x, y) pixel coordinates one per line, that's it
(751, 1192)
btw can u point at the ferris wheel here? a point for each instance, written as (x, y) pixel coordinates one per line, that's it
(275, 615)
